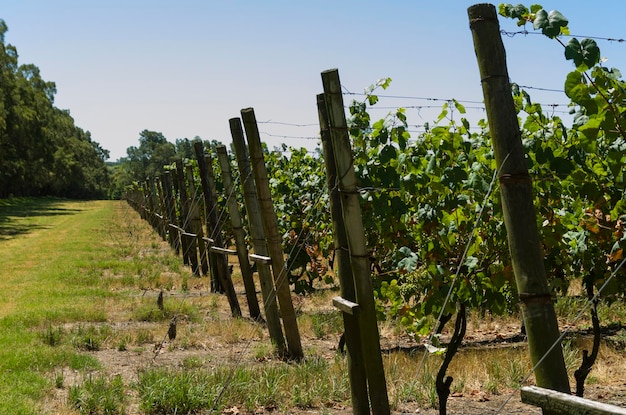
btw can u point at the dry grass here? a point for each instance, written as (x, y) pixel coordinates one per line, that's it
(122, 275)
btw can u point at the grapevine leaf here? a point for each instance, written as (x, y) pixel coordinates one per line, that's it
(514, 12)
(434, 350)
(387, 154)
(590, 128)
(409, 259)
(534, 8)
(541, 19)
(585, 54)
(471, 262)
(384, 83)
(576, 90)
(459, 106)
(591, 52)
(550, 23)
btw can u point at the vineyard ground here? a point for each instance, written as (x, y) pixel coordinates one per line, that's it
(121, 274)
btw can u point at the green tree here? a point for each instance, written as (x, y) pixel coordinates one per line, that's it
(148, 159)
(42, 151)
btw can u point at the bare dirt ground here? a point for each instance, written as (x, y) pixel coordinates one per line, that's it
(219, 350)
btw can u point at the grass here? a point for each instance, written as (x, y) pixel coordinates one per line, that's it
(80, 287)
(99, 396)
(64, 263)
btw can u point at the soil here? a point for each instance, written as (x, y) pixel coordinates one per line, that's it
(162, 352)
(159, 351)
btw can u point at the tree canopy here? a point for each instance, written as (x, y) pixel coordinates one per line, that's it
(42, 151)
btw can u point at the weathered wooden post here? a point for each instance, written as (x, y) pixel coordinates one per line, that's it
(152, 205)
(565, 404)
(257, 234)
(170, 210)
(517, 202)
(190, 251)
(238, 232)
(223, 275)
(195, 222)
(356, 366)
(216, 262)
(163, 223)
(145, 201)
(359, 256)
(270, 225)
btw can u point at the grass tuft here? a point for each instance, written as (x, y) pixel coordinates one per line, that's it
(99, 396)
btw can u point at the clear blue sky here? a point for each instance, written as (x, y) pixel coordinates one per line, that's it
(185, 67)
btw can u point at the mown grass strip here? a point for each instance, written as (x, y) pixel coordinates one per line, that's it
(46, 247)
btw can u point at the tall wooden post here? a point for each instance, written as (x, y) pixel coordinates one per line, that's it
(258, 236)
(222, 262)
(356, 366)
(216, 261)
(517, 201)
(270, 225)
(195, 222)
(190, 251)
(239, 234)
(163, 223)
(359, 256)
(170, 210)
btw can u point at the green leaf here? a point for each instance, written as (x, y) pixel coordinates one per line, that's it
(534, 8)
(409, 259)
(585, 54)
(550, 23)
(541, 19)
(514, 12)
(591, 52)
(383, 83)
(590, 129)
(458, 106)
(387, 154)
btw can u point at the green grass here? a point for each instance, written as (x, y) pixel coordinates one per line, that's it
(51, 253)
(75, 282)
(99, 396)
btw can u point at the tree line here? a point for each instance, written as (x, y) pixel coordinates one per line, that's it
(42, 151)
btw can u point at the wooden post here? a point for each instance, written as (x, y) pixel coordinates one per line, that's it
(359, 256)
(195, 222)
(270, 225)
(258, 236)
(163, 214)
(565, 404)
(517, 202)
(240, 237)
(356, 366)
(210, 216)
(170, 210)
(190, 251)
(224, 277)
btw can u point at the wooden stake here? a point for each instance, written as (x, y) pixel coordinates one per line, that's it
(195, 222)
(517, 201)
(190, 252)
(210, 215)
(239, 234)
(359, 256)
(270, 225)
(223, 273)
(170, 211)
(258, 237)
(352, 335)
(564, 404)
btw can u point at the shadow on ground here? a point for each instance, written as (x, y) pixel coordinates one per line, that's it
(16, 212)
